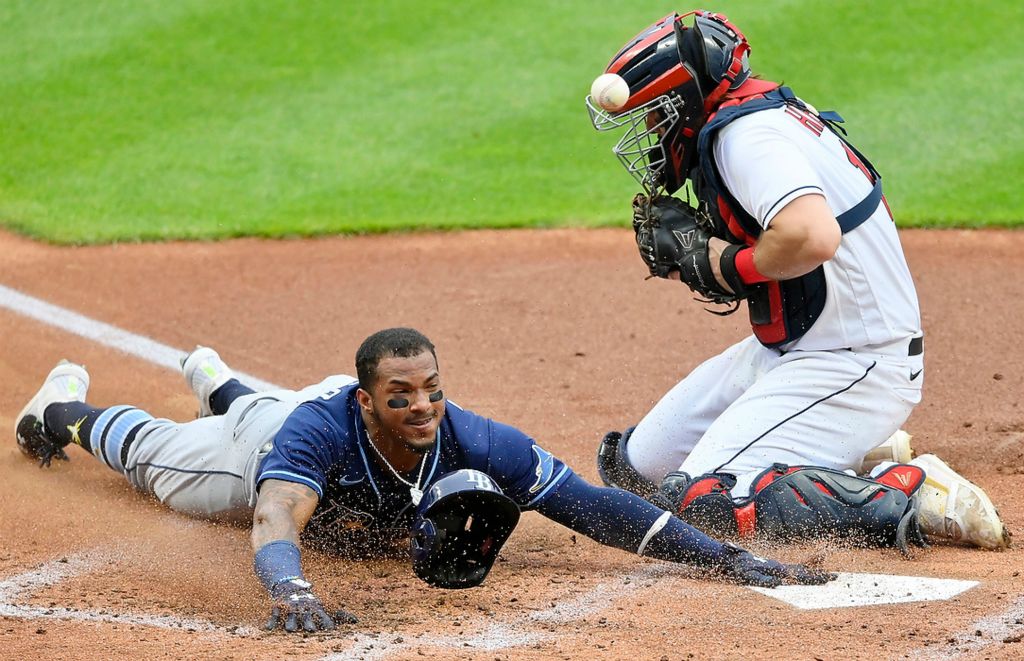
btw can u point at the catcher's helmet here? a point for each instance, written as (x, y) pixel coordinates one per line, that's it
(461, 524)
(677, 74)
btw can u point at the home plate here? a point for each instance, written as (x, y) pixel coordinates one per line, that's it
(867, 590)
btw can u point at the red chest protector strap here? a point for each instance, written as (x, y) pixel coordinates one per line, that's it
(780, 311)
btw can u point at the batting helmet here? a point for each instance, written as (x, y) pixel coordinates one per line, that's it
(677, 74)
(461, 524)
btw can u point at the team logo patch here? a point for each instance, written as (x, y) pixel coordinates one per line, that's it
(544, 468)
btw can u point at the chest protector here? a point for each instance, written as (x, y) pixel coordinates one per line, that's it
(780, 311)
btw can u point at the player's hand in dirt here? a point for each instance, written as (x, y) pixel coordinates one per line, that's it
(742, 566)
(296, 608)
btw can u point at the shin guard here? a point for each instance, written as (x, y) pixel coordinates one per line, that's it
(804, 502)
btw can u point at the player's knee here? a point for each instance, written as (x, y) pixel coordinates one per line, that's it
(704, 502)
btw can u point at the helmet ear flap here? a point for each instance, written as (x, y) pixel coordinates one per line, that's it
(689, 47)
(716, 50)
(424, 537)
(460, 526)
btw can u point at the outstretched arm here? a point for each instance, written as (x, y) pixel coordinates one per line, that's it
(621, 519)
(282, 511)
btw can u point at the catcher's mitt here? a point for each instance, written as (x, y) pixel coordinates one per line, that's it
(670, 238)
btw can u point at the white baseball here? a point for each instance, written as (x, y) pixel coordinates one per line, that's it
(610, 91)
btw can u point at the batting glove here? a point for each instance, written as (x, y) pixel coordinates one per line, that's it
(296, 608)
(744, 567)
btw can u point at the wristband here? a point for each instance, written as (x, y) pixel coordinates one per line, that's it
(277, 562)
(745, 267)
(738, 268)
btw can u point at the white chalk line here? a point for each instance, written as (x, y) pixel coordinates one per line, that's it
(988, 631)
(105, 334)
(23, 586)
(510, 634)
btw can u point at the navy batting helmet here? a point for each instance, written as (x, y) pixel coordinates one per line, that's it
(677, 75)
(461, 524)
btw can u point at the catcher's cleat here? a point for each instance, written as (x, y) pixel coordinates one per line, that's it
(67, 382)
(614, 468)
(896, 449)
(204, 372)
(955, 509)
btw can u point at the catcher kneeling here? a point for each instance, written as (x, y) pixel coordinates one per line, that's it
(770, 437)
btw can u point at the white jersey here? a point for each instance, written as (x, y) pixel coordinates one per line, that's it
(769, 158)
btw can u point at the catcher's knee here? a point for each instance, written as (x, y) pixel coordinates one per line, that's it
(614, 468)
(704, 502)
(802, 502)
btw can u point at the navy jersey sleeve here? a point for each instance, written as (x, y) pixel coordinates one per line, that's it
(305, 448)
(527, 473)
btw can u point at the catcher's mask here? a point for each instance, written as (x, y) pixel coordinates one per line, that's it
(677, 75)
(461, 524)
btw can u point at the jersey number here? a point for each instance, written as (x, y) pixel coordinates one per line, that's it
(330, 393)
(810, 122)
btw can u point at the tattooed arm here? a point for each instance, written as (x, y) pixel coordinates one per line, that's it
(282, 511)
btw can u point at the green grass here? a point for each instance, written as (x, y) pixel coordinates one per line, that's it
(139, 119)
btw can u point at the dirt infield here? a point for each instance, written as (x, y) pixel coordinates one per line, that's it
(555, 332)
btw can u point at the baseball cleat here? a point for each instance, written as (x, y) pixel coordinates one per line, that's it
(204, 372)
(953, 508)
(67, 382)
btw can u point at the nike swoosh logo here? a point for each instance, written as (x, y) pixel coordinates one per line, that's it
(914, 375)
(345, 482)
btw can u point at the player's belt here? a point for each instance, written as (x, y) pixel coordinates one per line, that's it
(914, 348)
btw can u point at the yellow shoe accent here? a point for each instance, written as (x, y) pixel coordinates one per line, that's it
(953, 508)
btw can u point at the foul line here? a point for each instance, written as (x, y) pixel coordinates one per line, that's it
(1006, 628)
(105, 334)
(509, 634)
(23, 586)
